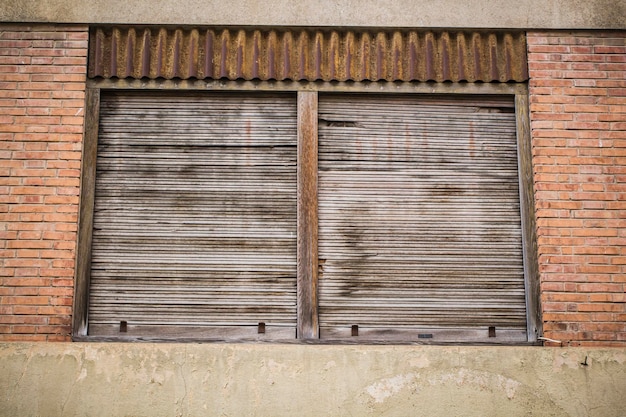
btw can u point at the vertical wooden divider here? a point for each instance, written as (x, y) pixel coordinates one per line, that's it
(87, 192)
(308, 326)
(529, 232)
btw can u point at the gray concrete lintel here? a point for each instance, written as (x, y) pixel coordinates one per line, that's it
(472, 14)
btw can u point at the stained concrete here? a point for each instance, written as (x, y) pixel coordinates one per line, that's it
(521, 14)
(80, 379)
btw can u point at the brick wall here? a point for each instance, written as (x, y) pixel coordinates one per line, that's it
(42, 84)
(578, 121)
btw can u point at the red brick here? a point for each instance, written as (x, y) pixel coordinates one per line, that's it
(43, 82)
(54, 311)
(59, 282)
(27, 253)
(26, 300)
(566, 297)
(566, 317)
(613, 307)
(65, 227)
(64, 321)
(589, 100)
(23, 329)
(56, 272)
(18, 291)
(603, 49)
(34, 282)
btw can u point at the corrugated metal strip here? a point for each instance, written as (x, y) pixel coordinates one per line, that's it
(327, 55)
(420, 228)
(195, 213)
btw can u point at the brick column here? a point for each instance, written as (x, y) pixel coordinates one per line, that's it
(42, 85)
(578, 122)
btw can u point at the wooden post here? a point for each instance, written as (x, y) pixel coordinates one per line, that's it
(529, 232)
(308, 327)
(87, 192)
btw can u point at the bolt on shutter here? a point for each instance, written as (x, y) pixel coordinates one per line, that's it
(419, 219)
(195, 216)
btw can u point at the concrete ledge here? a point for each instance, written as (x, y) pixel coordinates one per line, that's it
(492, 14)
(78, 379)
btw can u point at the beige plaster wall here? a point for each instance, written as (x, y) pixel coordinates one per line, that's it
(75, 379)
(537, 14)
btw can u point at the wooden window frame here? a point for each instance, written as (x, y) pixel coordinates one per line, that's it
(307, 188)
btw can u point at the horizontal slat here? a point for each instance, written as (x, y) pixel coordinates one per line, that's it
(244, 332)
(419, 218)
(195, 215)
(423, 334)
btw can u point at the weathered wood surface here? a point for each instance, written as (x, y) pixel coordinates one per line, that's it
(85, 227)
(307, 216)
(529, 226)
(195, 212)
(419, 215)
(402, 251)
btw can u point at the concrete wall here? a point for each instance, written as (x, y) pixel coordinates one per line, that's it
(526, 14)
(62, 379)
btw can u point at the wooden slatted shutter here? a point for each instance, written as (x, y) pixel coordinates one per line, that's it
(194, 228)
(419, 219)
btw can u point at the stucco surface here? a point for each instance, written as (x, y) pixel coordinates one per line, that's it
(540, 14)
(77, 379)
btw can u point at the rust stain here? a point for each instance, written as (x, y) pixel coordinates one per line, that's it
(307, 55)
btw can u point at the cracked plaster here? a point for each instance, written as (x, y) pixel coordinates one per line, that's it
(80, 379)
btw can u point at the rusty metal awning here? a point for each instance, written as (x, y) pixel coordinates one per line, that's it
(307, 55)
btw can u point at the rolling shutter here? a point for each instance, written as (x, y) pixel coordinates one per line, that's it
(195, 216)
(419, 219)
